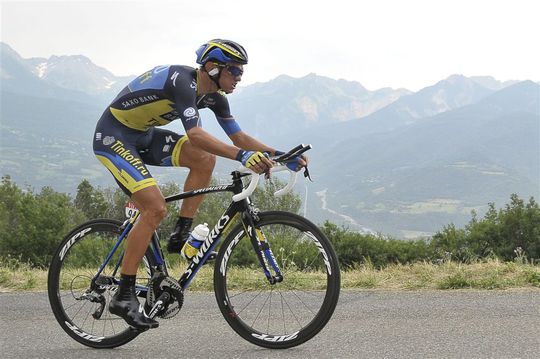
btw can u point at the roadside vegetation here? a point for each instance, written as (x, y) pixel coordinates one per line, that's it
(501, 250)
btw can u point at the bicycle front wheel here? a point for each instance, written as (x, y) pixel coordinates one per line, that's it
(287, 313)
(78, 299)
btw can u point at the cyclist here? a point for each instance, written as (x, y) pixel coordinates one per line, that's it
(126, 140)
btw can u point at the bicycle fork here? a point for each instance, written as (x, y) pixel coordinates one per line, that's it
(262, 247)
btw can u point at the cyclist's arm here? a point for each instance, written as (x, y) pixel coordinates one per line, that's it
(256, 161)
(246, 142)
(202, 139)
(220, 106)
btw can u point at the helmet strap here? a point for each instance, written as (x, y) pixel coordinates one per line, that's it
(214, 74)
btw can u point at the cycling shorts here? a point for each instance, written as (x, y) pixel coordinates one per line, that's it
(126, 152)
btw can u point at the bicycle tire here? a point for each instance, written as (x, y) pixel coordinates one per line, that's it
(76, 261)
(293, 239)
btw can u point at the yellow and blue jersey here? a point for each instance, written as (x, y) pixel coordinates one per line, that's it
(127, 138)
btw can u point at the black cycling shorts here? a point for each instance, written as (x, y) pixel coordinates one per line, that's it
(126, 152)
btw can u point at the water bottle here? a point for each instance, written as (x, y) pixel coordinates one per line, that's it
(196, 238)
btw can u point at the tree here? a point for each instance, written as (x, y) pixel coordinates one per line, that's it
(499, 233)
(32, 225)
(266, 200)
(90, 201)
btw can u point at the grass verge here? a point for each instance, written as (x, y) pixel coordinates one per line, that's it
(490, 274)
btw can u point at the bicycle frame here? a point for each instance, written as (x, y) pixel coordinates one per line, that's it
(242, 206)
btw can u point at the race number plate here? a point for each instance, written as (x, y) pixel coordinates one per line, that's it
(131, 210)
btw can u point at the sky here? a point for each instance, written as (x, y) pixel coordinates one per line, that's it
(379, 43)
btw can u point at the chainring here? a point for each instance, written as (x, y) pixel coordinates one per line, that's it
(161, 283)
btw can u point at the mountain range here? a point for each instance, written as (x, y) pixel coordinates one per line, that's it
(392, 161)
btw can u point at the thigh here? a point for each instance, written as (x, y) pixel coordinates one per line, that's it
(149, 199)
(115, 147)
(195, 157)
(162, 147)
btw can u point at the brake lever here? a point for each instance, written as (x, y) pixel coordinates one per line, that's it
(306, 174)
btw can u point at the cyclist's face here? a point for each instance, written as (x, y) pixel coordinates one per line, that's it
(231, 75)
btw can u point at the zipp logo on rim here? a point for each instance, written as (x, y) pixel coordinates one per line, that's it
(276, 338)
(84, 335)
(323, 252)
(223, 266)
(72, 240)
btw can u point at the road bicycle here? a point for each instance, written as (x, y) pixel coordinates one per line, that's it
(276, 276)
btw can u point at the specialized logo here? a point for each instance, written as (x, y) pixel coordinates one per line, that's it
(108, 140)
(72, 240)
(174, 76)
(216, 231)
(190, 112)
(118, 147)
(210, 189)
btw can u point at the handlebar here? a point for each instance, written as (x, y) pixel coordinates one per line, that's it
(298, 150)
(248, 191)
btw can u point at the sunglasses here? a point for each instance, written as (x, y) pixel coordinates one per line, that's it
(234, 70)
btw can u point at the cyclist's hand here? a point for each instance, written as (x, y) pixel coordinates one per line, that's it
(254, 160)
(296, 163)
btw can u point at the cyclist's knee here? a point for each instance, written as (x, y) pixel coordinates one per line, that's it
(209, 161)
(154, 212)
(151, 203)
(197, 159)
(204, 162)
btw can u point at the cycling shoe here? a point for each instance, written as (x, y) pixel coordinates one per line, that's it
(176, 241)
(129, 308)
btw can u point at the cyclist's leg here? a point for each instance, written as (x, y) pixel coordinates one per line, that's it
(125, 304)
(166, 148)
(151, 205)
(201, 165)
(115, 147)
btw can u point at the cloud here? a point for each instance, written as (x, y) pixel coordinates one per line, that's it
(384, 43)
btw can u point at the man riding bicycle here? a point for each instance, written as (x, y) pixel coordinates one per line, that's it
(127, 139)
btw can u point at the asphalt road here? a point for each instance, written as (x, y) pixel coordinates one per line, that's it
(366, 324)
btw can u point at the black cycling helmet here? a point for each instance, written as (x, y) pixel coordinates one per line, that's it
(221, 51)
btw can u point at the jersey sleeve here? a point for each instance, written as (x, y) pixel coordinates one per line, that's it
(184, 90)
(220, 106)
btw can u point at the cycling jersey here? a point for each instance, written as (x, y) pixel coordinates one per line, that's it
(126, 138)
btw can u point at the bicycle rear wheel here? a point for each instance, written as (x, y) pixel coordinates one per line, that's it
(287, 313)
(79, 302)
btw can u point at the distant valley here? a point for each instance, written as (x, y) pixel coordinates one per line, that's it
(391, 161)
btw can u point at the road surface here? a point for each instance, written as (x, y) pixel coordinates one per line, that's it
(366, 324)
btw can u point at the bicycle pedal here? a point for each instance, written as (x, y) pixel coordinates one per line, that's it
(160, 303)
